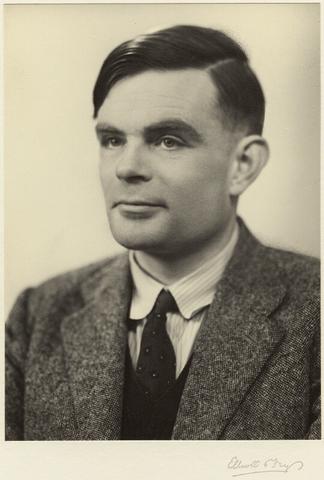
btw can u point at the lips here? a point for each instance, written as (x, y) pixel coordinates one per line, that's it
(139, 202)
(138, 208)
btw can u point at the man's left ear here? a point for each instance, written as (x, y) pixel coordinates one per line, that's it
(250, 156)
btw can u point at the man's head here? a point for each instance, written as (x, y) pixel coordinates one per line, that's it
(179, 117)
(239, 94)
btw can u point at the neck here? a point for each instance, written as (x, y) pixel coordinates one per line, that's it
(170, 268)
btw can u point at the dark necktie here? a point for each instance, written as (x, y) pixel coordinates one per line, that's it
(156, 365)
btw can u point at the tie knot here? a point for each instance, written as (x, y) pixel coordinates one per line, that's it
(165, 303)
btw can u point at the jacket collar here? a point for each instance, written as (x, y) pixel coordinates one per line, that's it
(192, 292)
(234, 342)
(94, 340)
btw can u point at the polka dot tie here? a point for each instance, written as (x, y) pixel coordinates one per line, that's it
(156, 365)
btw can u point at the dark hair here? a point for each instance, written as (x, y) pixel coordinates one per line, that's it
(240, 94)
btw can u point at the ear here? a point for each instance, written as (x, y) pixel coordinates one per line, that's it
(250, 156)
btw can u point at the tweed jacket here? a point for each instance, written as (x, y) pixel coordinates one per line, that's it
(255, 370)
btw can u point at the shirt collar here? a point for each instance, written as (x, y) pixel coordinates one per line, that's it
(192, 292)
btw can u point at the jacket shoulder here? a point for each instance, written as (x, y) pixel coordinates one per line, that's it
(63, 292)
(75, 277)
(298, 270)
(300, 275)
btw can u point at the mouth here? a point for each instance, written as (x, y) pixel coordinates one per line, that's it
(138, 203)
(138, 208)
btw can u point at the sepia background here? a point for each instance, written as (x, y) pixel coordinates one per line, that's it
(54, 214)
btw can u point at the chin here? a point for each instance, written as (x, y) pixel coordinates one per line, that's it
(133, 240)
(145, 236)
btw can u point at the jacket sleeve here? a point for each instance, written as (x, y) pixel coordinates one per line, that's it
(16, 348)
(314, 432)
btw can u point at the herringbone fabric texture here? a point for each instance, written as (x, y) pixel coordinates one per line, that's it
(255, 370)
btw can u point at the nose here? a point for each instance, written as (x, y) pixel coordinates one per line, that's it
(133, 166)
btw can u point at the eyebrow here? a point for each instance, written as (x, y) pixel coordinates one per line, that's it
(167, 126)
(175, 127)
(102, 128)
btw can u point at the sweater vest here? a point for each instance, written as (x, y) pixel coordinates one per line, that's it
(147, 418)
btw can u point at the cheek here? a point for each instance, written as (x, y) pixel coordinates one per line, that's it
(103, 182)
(104, 167)
(202, 201)
(206, 182)
(106, 175)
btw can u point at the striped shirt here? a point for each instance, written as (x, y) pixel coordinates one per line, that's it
(193, 294)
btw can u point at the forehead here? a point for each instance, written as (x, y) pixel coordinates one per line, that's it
(153, 95)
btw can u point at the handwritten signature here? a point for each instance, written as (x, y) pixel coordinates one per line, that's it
(270, 465)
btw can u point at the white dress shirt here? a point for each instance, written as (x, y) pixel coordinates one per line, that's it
(193, 294)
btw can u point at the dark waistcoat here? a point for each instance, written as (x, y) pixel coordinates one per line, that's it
(145, 418)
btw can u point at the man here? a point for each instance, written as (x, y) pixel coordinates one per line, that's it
(199, 332)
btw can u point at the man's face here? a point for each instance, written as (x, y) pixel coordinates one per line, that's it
(165, 162)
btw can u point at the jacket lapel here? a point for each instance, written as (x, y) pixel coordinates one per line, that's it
(94, 340)
(235, 341)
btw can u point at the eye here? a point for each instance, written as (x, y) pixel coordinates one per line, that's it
(111, 142)
(170, 143)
